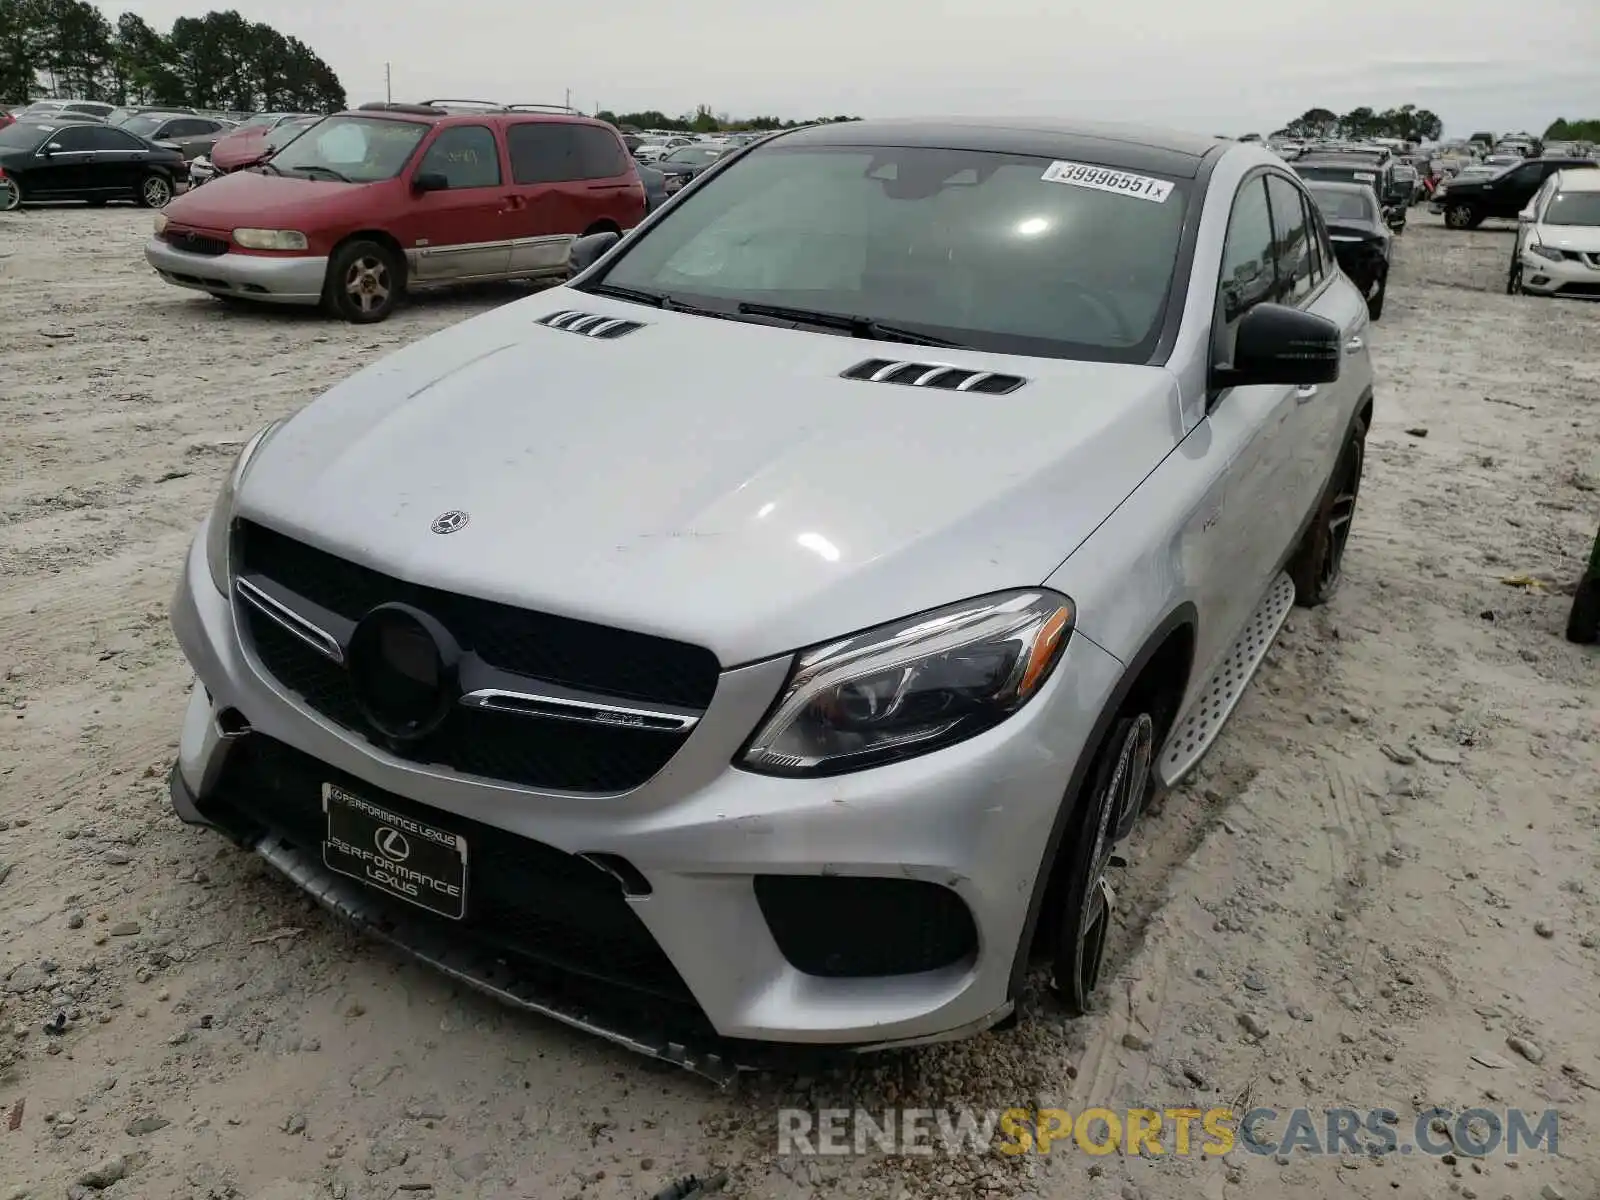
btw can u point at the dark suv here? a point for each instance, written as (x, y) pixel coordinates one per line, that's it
(1466, 204)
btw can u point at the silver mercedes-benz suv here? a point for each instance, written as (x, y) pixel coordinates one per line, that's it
(801, 696)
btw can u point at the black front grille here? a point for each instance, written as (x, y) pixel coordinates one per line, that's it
(524, 898)
(852, 927)
(196, 243)
(520, 749)
(576, 653)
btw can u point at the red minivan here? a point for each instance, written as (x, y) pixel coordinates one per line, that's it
(373, 203)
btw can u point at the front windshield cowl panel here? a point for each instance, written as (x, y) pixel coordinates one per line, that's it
(988, 250)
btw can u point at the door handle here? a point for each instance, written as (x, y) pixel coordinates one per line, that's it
(1354, 345)
(1305, 392)
(514, 204)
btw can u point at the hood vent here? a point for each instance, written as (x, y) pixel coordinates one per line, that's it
(934, 375)
(595, 325)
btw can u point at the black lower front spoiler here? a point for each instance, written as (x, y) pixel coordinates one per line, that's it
(715, 1058)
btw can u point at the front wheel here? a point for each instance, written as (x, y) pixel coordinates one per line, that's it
(10, 194)
(1318, 563)
(1462, 216)
(155, 191)
(1117, 785)
(1514, 279)
(364, 282)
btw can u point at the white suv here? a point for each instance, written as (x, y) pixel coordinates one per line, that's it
(1557, 251)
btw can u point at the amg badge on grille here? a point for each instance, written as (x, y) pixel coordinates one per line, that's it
(451, 521)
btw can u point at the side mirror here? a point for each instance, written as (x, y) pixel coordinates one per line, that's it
(51, 149)
(431, 181)
(587, 251)
(1277, 345)
(1525, 218)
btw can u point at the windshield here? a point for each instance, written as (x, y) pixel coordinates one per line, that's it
(695, 154)
(354, 149)
(995, 251)
(145, 124)
(24, 135)
(288, 131)
(1338, 204)
(1574, 208)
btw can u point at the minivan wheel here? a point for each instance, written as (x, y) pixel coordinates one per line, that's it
(1118, 782)
(1318, 563)
(1461, 216)
(10, 194)
(155, 191)
(364, 282)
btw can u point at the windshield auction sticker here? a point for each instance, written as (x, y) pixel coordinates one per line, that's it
(1104, 179)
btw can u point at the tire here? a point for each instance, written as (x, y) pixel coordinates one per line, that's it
(1375, 301)
(1118, 781)
(1462, 216)
(1318, 563)
(365, 281)
(1514, 279)
(155, 191)
(10, 194)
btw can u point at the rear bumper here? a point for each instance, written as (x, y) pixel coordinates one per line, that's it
(255, 277)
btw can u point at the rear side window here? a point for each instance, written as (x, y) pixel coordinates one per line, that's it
(188, 127)
(1292, 240)
(556, 152)
(1249, 273)
(466, 155)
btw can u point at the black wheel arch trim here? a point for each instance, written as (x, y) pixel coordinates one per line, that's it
(1184, 614)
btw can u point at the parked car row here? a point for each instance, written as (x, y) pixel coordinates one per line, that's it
(1467, 201)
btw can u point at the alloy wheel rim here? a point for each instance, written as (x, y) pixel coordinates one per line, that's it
(367, 284)
(1099, 902)
(10, 194)
(156, 192)
(1341, 514)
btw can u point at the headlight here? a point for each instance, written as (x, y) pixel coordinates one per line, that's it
(270, 239)
(1549, 252)
(914, 686)
(219, 534)
(160, 223)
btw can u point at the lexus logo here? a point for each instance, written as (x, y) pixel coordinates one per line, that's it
(392, 844)
(449, 522)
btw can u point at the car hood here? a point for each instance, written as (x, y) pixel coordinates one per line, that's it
(250, 198)
(1582, 238)
(754, 504)
(242, 147)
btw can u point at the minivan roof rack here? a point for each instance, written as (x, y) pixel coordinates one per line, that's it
(490, 104)
(419, 110)
(561, 108)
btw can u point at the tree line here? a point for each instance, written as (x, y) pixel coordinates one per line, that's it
(1407, 123)
(703, 120)
(218, 61)
(1562, 130)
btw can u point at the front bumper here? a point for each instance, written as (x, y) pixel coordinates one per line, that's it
(1569, 277)
(973, 818)
(254, 276)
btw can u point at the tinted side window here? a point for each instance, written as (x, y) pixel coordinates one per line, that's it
(543, 152)
(600, 154)
(1292, 242)
(184, 128)
(1248, 274)
(104, 138)
(71, 137)
(1319, 270)
(466, 155)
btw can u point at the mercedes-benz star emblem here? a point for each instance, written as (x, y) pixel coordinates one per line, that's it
(449, 522)
(392, 844)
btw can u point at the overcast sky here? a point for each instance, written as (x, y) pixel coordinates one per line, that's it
(1228, 67)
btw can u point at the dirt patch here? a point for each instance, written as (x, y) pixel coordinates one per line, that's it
(1386, 870)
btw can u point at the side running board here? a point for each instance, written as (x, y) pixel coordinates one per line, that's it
(1198, 728)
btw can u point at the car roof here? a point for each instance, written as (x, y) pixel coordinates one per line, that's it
(420, 114)
(1125, 147)
(1581, 180)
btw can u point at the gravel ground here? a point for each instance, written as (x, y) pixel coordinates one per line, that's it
(1379, 891)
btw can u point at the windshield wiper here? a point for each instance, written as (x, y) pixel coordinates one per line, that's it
(861, 327)
(326, 171)
(266, 166)
(653, 299)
